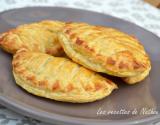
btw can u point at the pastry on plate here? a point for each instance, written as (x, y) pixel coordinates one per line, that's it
(58, 78)
(105, 50)
(38, 36)
(137, 78)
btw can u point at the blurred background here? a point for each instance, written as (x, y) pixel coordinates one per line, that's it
(142, 12)
(145, 13)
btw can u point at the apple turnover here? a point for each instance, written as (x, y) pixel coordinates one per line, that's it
(38, 37)
(58, 78)
(105, 50)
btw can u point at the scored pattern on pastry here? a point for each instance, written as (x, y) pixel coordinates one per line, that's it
(58, 78)
(40, 37)
(106, 50)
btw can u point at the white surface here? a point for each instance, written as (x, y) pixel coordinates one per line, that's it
(135, 11)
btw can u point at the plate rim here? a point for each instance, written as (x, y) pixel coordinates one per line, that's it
(9, 103)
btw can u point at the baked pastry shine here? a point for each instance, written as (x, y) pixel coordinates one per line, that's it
(39, 36)
(105, 50)
(58, 78)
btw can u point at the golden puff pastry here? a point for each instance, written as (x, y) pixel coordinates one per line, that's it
(39, 36)
(105, 50)
(58, 78)
(137, 78)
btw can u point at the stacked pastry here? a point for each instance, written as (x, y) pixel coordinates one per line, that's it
(40, 67)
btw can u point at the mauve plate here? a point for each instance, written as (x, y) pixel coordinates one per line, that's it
(143, 96)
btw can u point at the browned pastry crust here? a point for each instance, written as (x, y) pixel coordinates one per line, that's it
(39, 36)
(58, 78)
(106, 50)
